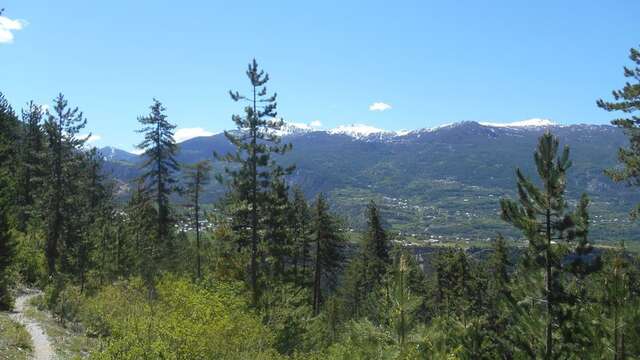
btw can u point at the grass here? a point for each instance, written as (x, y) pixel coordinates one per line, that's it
(68, 341)
(15, 342)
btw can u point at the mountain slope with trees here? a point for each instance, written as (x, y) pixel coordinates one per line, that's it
(434, 182)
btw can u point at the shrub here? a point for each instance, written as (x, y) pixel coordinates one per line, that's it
(181, 320)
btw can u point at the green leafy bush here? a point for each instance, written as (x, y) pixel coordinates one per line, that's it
(177, 320)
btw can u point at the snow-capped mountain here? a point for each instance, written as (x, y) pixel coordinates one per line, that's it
(358, 131)
(110, 153)
(367, 132)
(435, 166)
(535, 122)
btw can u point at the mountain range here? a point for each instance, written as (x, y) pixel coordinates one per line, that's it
(436, 183)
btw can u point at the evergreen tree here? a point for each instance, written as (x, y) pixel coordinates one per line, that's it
(141, 219)
(96, 204)
(30, 169)
(498, 296)
(277, 234)
(7, 249)
(302, 231)
(627, 101)
(7, 242)
(404, 302)
(159, 168)
(255, 141)
(8, 135)
(615, 298)
(375, 249)
(327, 254)
(198, 176)
(64, 151)
(367, 269)
(542, 216)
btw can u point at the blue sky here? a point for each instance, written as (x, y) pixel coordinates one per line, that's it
(431, 62)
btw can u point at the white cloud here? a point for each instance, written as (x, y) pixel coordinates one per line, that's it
(379, 106)
(190, 133)
(7, 26)
(316, 123)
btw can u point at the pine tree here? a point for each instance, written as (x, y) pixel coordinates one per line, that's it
(366, 270)
(7, 253)
(616, 297)
(141, 219)
(30, 169)
(7, 243)
(255, 141)
(327, 253)
(96, 203)
(404, 302)
(498, 296)
(302, 231)
(198, 176)
(375, 249)
(63, 154)
(159, 168)
(627, 100)
(277, 234)
(542, 216)
(499, 264)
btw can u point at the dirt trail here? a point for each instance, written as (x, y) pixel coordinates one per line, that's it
(42, 349)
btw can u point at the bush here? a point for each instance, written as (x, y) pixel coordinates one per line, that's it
(30, 262)
(63, 300)
(178, 320)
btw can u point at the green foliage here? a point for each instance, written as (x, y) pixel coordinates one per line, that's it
(327, 253)
(15, 342)
(542, 216)
(366, 270)
(252, 170)
(626, 101)
(30, 262)
(158, 177)
(301, 229)
(7, 185)
(198, 176)
(184, 321)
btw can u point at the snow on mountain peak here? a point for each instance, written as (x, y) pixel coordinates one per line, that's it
(293, 128)
(356, 130)
(535, 122)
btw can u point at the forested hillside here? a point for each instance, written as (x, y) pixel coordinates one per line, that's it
(306, 250)
(430, 182)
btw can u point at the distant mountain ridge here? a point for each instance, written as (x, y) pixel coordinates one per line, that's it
(445, 180)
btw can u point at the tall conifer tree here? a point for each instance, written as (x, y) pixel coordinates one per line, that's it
(63, 155)
(7, 243)
(327, 254)
(542, 215)
(302, 230)
(159, 167)
(375, 248)
(255, 141)
(627, 101)
(198, 176)
(30, 169)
